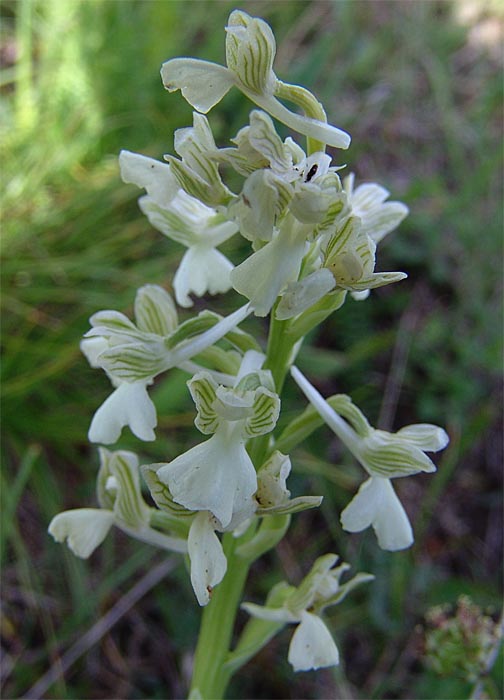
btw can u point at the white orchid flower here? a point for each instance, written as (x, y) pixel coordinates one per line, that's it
(272, 495)
(201, 229)
(268, 271)
(132, 354)
(250, 51)
(197, 172)
(351, 257)
(301, 295)
(218, 475)
(152, 175)
(279, 175)
(377, 216)
(376, 504)
(122, 505)
(384, 456)
(312, 645)
(348, 245)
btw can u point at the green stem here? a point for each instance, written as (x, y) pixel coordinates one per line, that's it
(278, 356)
(209, 677)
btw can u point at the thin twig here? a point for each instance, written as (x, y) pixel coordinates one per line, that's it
(100, 628)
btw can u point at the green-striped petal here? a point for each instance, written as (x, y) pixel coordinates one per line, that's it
(135, 361)
(250, 51)
(266, 409)
(155, 310)
(203, 391)
(129, 505)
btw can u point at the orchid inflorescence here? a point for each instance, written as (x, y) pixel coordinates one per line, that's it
(312, 239)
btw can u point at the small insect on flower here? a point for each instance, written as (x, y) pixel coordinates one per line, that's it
(311, 172)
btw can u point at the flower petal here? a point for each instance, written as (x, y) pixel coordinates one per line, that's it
(385, 455)
(366, 197)
(173, 220)
(202, 83)
(272, 480)
(92, 348)
(203, 392)
(129, 508)
(208, 562)
(381, 222)
(425, 436)
(392, 525)
(257, 206)
(216, 475)
(312, 646)
(363, 509)
(263, 275)
(152, 175)
(250, 51)
(129, 405)
(155, 311)
(377, 504)
(83, 529)
(201, 270)
(266, 409)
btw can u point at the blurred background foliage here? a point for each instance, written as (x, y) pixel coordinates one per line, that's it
(419, 86)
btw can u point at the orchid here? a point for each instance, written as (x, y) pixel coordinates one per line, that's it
(201, 229)
(122, 505)
(267, 272)
(384, 456)
(218, 475)
(196, 171)
(350, 256)
(151, 175)
(132, 354)
(312, 645)
(377, 216)
(279, 175)
(312, 240)
(250, 51)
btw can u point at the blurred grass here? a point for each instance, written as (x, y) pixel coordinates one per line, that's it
(421, 95)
